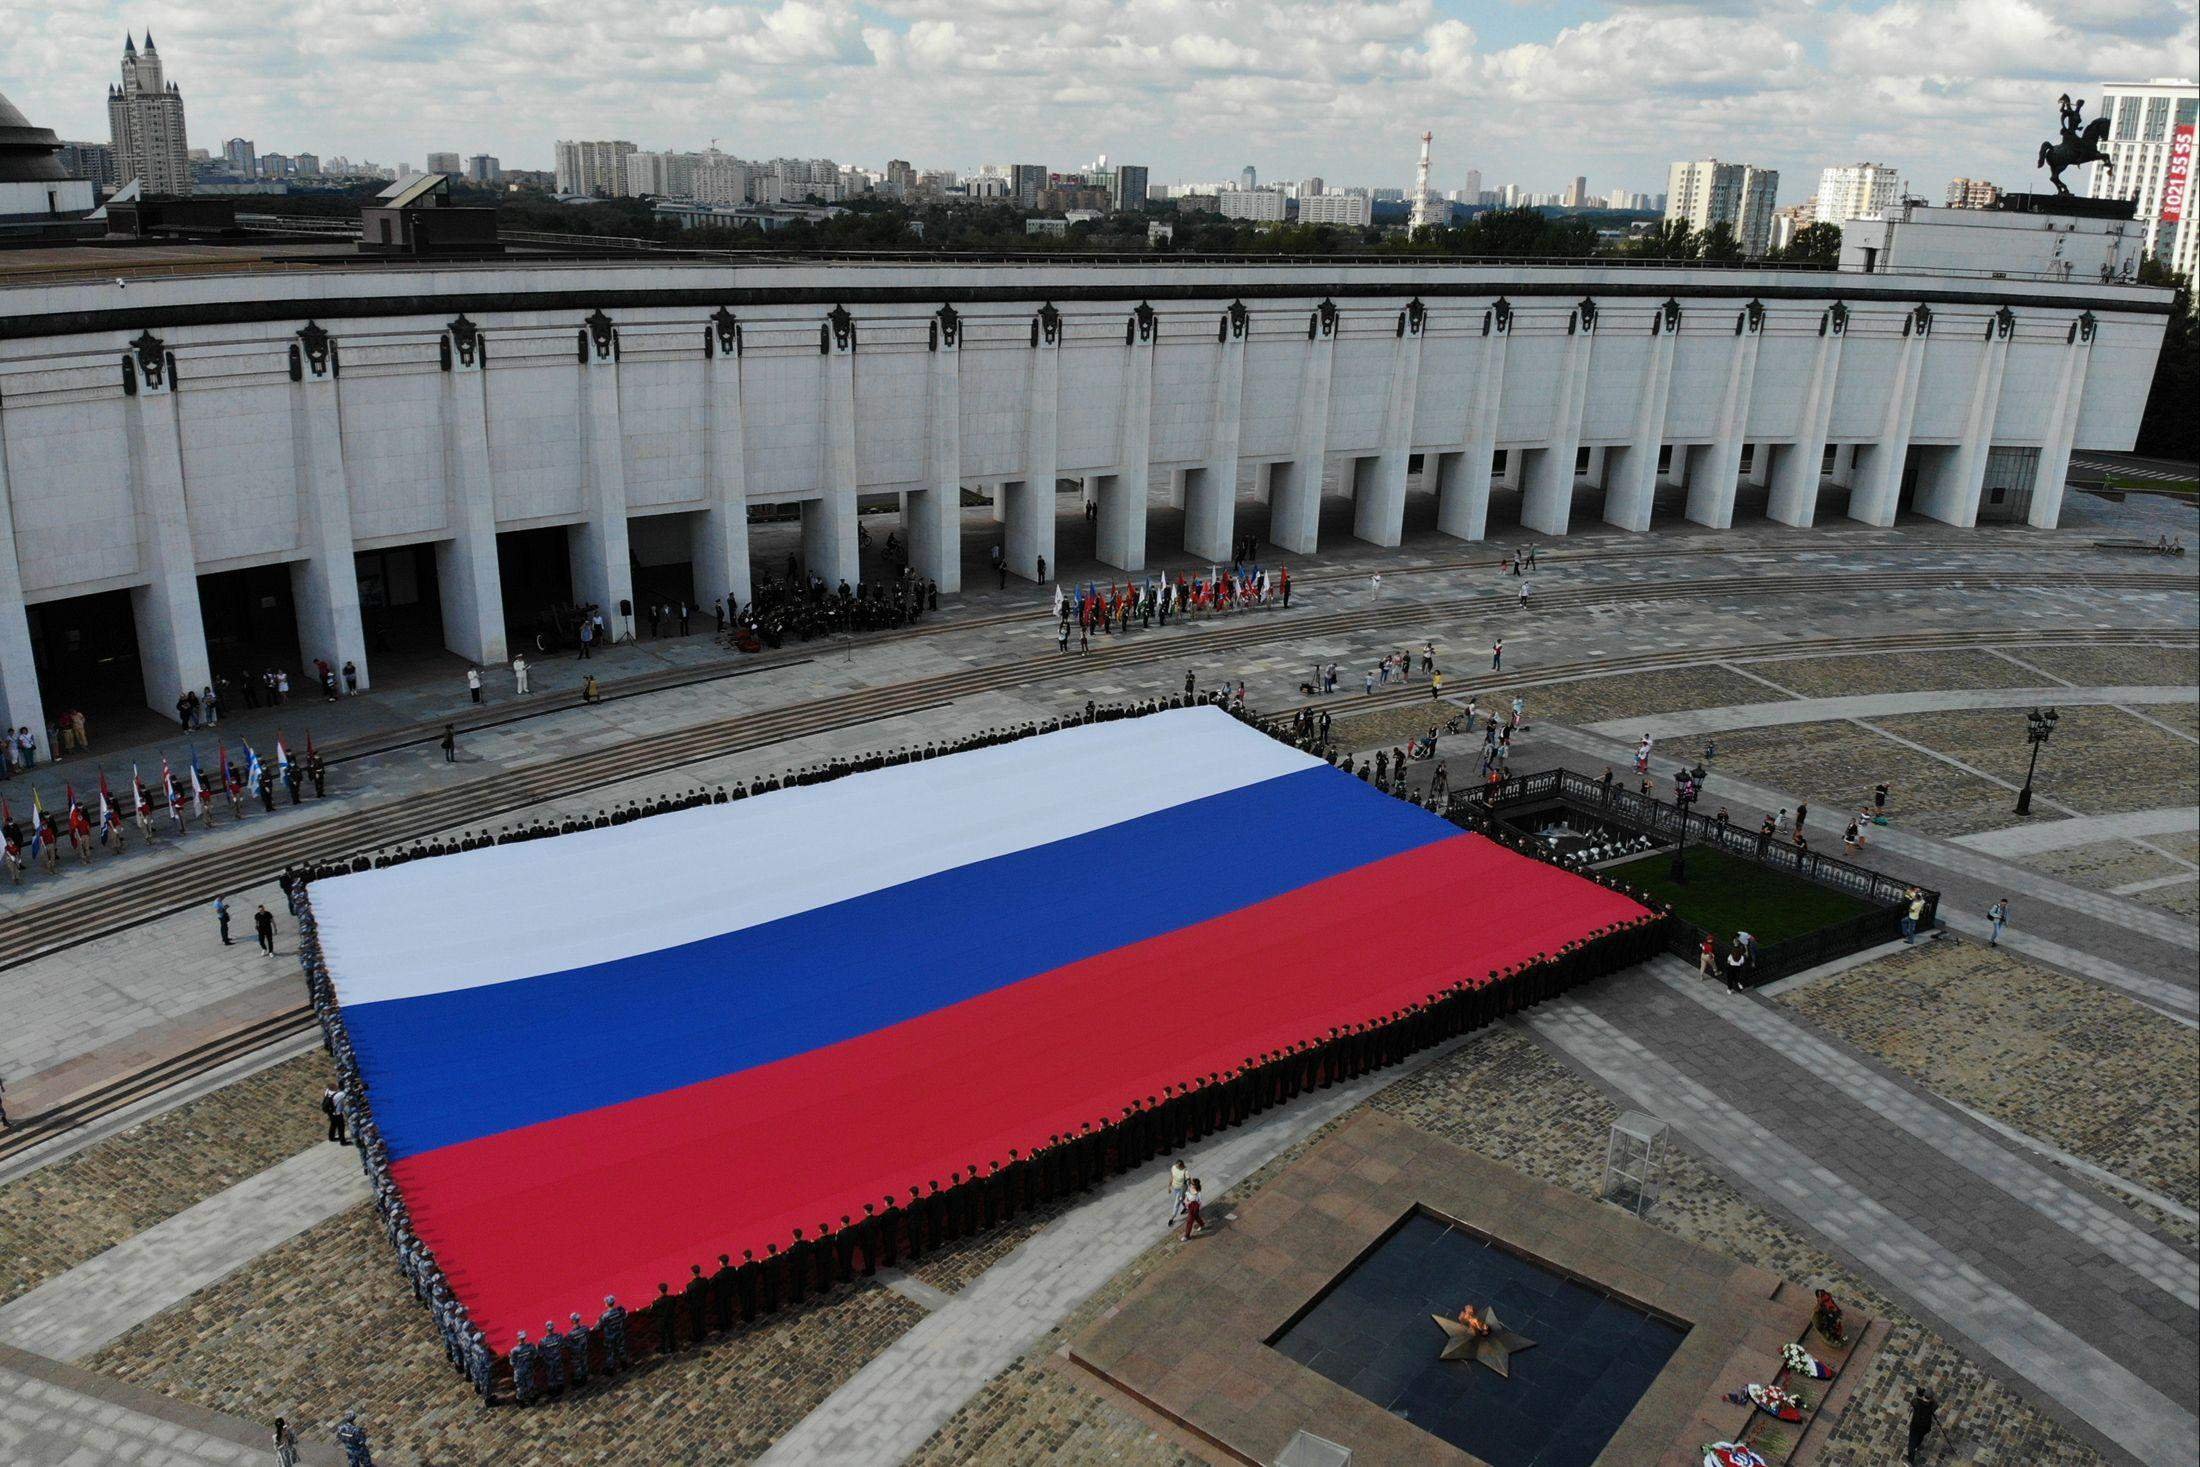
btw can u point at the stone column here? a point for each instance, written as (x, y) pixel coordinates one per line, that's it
(721, 551)
(20, 700)
(1844, 464)
(1122, 537)
(170, 631)
(1950, 493)
(1875, 486)
(466, 563)
(1295, 486)
(1210, 490)
(603, 568)
(2062, 426)
(325, 585)
(829, 523)
(1713, 478)
(934, 514)
(1631, 473)
(1031, 502)
(1795, 476)
(1463, 497)
(1547, 499)
(1379, 508)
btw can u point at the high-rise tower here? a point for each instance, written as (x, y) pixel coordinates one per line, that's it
(1424, 199)
(145, 115)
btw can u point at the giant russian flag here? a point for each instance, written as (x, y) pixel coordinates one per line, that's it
(599, 1059)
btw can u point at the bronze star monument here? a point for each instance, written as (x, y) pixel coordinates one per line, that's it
(1494, 1349)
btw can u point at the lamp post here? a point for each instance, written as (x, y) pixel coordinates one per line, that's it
(2039, 727)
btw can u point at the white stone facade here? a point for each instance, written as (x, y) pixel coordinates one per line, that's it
(200, 424)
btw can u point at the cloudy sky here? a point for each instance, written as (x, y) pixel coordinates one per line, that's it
(1532, 91)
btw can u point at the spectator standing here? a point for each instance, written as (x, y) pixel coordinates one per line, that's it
(263, 927)
(1998, 914)
(351, 678)
(221, 918)
(473, 685)
(1923, 1405)
(519, 674)
(450, 743)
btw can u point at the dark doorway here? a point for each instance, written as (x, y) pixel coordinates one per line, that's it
(86, 651)
(535, 571)
(400, 600)
(661, 558)
(251, 619)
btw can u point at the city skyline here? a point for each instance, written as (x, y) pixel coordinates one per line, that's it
(1522, 93)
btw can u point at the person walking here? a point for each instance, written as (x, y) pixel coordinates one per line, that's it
(589, 692)
(1497, 655)
(263, 927)
(473, 685)
(1707, 957)
(221, 918)
(450, 743)
(286, 1444)
(1524, 585)
(519, 674)
(1923, 1406)
(1178, 1179)
(352, 1437)
(1435, 686)
(333, 1108)
(1193, 1222)
(1998, 914)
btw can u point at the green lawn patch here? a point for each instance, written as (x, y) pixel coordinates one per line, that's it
(1726, 894)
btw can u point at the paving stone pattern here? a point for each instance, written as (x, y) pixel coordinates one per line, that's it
(1890, 672)
(2075, 1064)
(1840, 761)
(2101, 761)
(2110, 666)
(57, 1217)
(325, 1323)
(1624, 695)
(2103, 865)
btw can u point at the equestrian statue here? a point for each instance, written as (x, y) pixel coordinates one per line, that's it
(2081, 143)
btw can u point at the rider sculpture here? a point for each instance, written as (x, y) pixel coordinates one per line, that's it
(2080, 143)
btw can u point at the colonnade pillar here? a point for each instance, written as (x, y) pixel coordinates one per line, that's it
(1379, 503)
(1463, 495)
(1631, 473)
(603, 567)
(722, 530)
(171, 632)
(1030, 502)
(1875, 487)
(466, 563)
(1210, 489)
(1547, 481)
(2062, 426)
(20, 701)
(1121, 541)
(325, 585)
(1950, 492)
(932, 516)
(829, 521)
(1713, 478)
(1295, 485)
(1796, 472)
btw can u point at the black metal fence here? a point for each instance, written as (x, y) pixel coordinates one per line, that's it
(1887, 896)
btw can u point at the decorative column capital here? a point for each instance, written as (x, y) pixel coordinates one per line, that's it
(724, 335)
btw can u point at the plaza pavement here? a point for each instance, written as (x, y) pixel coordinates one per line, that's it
(1879, 1186)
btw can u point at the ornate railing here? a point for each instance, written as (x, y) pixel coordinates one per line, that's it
(1887, 896)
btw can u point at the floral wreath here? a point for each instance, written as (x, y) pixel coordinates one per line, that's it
(1774, 1401)
(1731, 1454)
(1800, 1361)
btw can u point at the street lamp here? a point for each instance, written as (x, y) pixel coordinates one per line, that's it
(2039, 727)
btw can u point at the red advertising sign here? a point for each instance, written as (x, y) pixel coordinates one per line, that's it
(2180, 174)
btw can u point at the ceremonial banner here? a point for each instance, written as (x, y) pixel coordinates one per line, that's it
(599, 1059)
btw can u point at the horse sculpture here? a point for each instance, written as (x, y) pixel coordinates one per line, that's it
(2081, 143)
